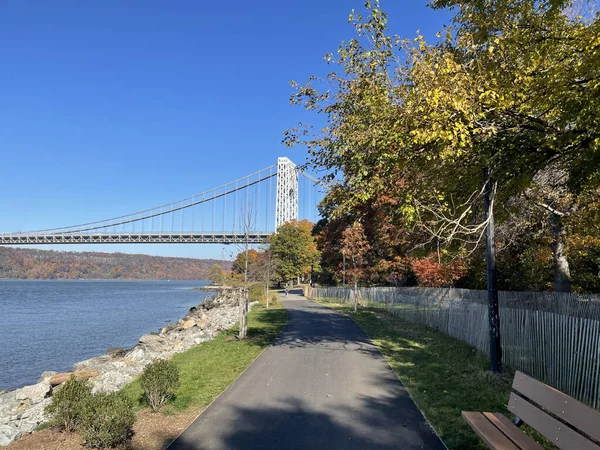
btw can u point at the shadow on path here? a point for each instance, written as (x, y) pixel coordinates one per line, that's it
(322, 384)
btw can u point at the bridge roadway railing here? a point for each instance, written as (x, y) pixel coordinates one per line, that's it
(135, 238)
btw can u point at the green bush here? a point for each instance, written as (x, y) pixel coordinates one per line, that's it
(159, 382)
(256, 292)
(107, 420)
(67, 402)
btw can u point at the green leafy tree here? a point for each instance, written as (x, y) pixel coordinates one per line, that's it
(512, 88)
(239, 263)
(217, 274)
(294, 250)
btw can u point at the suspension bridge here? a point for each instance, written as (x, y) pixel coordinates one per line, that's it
(248, 209)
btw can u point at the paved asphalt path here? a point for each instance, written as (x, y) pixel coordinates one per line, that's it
(321, 385)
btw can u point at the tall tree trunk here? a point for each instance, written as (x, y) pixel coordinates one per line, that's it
(562, 274)
(490, 258)
(243, 314)
(355, 294)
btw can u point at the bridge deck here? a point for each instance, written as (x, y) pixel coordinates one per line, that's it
(134, 238)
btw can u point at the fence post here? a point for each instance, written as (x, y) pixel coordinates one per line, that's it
(492, 288)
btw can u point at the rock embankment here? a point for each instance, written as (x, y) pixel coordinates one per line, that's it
(22, 410)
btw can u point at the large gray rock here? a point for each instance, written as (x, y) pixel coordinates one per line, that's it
(45, 376)
(8, 434)
(116, 351)
(35, 393)
(151, 339)
(188, 324)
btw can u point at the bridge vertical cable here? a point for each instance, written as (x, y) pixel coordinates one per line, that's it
(171, 223)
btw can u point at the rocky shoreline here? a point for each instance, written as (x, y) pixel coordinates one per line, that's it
(22, 410)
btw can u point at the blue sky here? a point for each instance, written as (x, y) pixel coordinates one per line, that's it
(113, 106)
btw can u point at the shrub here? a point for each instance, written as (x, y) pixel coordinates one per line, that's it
(431, 272)
(107, 420)
(67, 402)
(159, 382)
(256, 293)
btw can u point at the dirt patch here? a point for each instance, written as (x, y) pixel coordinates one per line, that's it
(47, 440)
(152, 431)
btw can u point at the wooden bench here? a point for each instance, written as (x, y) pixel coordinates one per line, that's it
(566, 422)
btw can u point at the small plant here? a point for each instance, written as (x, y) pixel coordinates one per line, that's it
(159, 382)
(256, 293)
(67, 403)
(107, 420)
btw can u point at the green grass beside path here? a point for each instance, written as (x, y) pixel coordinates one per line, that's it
(443, 375)
(206, 370)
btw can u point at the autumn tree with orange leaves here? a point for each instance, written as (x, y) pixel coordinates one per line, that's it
(355, 248)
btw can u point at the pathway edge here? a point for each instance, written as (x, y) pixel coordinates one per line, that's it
(388, 363)
(233, 382)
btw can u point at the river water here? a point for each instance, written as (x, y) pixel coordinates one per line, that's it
(50, 325)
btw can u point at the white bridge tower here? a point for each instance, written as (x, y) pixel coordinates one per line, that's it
(286, 198)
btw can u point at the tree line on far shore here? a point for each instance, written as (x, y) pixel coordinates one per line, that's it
(20, 263)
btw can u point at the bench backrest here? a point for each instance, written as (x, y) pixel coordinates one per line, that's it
(562, 419)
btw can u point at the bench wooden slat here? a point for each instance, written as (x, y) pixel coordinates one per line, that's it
(488, 433)
(558, 433)
(561, 405)
(513, 432)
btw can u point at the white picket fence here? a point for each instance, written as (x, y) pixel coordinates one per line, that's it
(554, 337)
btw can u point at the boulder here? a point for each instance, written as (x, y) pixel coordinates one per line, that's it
(45, 376)
(203, 323)
(27, 426)
(98, 363)
(188, 324)
(8, 434)
(60, 378)
(151, 339)
(35, 393)
(116, 351)
(86, 374)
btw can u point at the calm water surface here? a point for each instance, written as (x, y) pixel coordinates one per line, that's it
(50, 325)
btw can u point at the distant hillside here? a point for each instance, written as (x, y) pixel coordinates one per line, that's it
(44, 264)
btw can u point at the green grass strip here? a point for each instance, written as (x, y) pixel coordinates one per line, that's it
(443, 375)
(206, 370)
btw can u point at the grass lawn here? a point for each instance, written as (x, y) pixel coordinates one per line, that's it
(206, 370)
(443, 375)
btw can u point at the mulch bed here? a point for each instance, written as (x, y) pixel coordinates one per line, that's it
(152, 431)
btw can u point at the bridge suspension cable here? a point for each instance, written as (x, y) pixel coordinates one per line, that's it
(206, 217)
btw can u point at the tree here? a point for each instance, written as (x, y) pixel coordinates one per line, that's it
(433, 272)
(239, 263)
(512, 88)
(248, 223)
(217, 274)
(263, 270)
(354, 246)
(294, 250)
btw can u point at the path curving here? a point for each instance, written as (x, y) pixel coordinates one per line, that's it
(322, 384)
